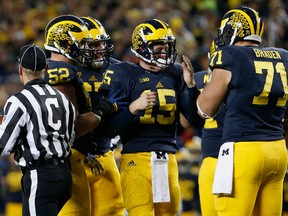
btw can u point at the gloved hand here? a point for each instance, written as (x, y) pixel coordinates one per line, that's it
(95, 166)
(111, 105)
(105, 108)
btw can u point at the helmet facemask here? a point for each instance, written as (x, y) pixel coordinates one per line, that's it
(98, 47)
(95, 52)
(161, 53)
(227, 35)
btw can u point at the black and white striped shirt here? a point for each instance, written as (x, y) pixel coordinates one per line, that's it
(38, 123)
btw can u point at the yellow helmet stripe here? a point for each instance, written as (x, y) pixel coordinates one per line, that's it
(162, 23)
(97, 28)
(96, 24)
(258, 23)
(262, 29)
(158, 33)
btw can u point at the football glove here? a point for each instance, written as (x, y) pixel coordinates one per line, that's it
(110, 105)
(104, 109)
(95, 166)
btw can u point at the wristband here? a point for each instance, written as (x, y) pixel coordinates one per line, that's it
(202, 114)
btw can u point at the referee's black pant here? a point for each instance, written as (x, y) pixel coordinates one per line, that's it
(45, 188)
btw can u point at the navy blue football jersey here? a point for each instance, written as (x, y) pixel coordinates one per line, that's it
(258, 92)
(153, 129)
(61, 73)
(92, 79)
(213, 128)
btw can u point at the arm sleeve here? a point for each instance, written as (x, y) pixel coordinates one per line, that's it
(119, 122)
(190, 112)
(11, 126)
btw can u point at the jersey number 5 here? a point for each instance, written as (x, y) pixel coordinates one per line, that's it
(148, 117)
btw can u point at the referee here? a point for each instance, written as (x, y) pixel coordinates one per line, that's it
(38, 127)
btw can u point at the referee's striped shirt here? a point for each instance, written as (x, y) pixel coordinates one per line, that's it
(38, 123)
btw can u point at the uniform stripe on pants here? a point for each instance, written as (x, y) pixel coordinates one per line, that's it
(34, 184)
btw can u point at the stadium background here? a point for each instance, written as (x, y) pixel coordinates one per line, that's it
(193, 22)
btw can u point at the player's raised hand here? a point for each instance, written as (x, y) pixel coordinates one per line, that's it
(188, 72)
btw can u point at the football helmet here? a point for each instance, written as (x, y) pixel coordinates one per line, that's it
(99, 47)
(63, 35)
(238, 24)
(150, 33)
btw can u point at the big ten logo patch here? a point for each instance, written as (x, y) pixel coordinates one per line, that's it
(144, 79)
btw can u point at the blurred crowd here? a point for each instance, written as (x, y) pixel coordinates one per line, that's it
(194, 23)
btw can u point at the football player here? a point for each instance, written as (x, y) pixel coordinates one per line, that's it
(62, 38)
(211, 140)
(96, 59)
(210, 145)
(252, 81)
(158, 89)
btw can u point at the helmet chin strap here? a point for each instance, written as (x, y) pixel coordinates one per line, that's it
(162, 63)
(97, 64)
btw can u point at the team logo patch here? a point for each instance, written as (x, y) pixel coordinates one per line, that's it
(225, 151)
(159, 85)
(92, 78)
(131, 163)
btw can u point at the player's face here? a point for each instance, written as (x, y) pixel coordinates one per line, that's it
(83, 47)
(98, 48)
(161, 51)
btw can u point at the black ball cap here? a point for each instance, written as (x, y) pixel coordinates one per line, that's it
(32, 57)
